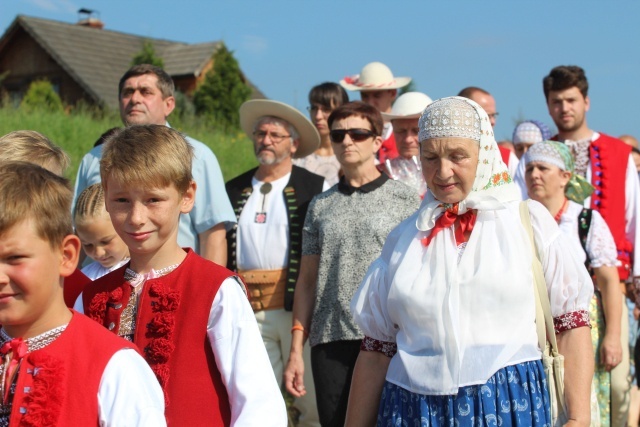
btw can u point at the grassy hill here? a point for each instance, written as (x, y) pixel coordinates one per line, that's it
(76, 133)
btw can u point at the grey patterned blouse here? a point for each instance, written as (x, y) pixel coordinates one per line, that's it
(347, 227)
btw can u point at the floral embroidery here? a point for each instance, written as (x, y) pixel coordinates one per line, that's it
(98, 306)
(389, 349)
(115, 295)
(160, 332)
(499, 178)
(572, 320)
(43, 403)
(161, 325)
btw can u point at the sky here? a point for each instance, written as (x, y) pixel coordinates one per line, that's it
(503, 46)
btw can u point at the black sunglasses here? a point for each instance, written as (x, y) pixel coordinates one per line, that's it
(356, 135)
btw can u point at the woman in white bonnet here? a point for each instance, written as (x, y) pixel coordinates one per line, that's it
(448, 309)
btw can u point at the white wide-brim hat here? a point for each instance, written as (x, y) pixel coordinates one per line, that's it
(409, 105)
(251, 111)
(374, 76)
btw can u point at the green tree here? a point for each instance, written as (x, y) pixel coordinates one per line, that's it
(222, 92)
(147, 56)
(41, 97)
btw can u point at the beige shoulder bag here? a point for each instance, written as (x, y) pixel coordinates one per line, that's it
(552, 360)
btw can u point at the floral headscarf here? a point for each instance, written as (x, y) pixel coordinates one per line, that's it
(558, 154)
(492, 187)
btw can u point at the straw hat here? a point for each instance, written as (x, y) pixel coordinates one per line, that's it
(409, 105)
(374, 76)
(252, 110)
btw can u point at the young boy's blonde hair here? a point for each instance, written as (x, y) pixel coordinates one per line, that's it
(150, 156)
(90, 204)
(33, 147)
(28, 191)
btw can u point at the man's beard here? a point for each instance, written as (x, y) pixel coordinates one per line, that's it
(267, 160)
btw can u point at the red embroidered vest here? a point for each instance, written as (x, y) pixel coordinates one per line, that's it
(173, 311)
(505, 153)
(608, 158)
(388, 150)
(58, 385)
(73, 286)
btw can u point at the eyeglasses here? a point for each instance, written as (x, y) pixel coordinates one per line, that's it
(493, 115)
(276, 138)
(313, 109)
(356, 135)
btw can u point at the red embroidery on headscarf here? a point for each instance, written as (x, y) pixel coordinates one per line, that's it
(464, 222)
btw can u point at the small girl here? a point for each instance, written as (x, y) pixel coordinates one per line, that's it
(99, 239)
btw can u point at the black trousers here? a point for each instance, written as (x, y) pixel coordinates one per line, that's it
(332, 366)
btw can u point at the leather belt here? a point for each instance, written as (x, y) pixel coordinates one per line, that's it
(266, 288)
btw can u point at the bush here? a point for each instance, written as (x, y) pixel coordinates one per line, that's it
(147, 56)
(41, 97)
(219, 97)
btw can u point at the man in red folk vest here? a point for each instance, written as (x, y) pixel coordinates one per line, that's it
(488, 104)
(607, 163)
(379, 88)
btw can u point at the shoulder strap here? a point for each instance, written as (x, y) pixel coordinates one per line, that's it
(544, 321)
(584, 224)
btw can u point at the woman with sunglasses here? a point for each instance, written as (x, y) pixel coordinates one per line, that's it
(344, 231)
(448, 310)
(550, 179)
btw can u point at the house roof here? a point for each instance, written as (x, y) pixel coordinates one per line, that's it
(97, 58)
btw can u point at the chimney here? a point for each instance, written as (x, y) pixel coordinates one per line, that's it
(90, 18)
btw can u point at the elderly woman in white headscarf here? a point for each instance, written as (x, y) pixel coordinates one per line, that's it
(448, 309)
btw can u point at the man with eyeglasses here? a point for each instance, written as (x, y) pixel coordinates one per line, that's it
(488, 104)
(271, 202)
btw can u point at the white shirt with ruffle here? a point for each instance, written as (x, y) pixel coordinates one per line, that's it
(457, 323)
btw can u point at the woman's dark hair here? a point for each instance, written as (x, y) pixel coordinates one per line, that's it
(359, 109)
(328, 94)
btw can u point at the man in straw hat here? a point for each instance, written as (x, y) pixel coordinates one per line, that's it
(379, 88)
(404, 118)
(271, 203)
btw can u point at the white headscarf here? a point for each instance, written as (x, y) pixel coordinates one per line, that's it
(492, 186)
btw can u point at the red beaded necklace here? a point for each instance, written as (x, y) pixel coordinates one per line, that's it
(561, 211)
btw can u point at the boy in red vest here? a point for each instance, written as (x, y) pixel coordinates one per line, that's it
(58, 367)
(33, 147)
(191, 317)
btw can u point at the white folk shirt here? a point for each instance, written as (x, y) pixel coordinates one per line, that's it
(632, 203)
(264, 246)
(457, 323)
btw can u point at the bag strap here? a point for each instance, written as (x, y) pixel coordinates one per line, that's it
(544, 321)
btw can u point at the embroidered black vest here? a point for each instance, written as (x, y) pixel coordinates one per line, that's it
(301, 188)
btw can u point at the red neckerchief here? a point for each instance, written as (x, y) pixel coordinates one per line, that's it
(464, 222)
(18, 349)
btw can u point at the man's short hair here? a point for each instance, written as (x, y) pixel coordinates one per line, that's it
(150, 156)
(28, 191)
(165, 82)
(564, 77)
(358, 109)
(33, 147)
(468, 92)
(329, 95)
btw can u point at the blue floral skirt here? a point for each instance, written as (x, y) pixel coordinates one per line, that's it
(514, 396)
